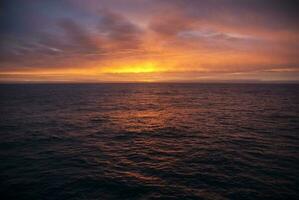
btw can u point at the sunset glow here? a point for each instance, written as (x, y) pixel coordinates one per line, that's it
(101, 40)
(147, 67)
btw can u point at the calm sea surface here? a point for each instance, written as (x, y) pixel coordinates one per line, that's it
(149, 141)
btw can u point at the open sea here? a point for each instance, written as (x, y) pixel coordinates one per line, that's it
(149, 141)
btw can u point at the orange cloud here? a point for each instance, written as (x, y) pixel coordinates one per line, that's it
(169, 40)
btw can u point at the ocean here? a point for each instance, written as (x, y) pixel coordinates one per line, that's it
(149, 141)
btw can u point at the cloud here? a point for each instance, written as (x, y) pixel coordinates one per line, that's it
(264, 14)
(78, 37)
(171, 24)
(68, 40)
(119, 30)
(194, 35)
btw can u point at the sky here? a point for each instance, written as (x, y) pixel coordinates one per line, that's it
(149, 40)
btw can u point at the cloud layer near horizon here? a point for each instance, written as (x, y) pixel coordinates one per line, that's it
(102, 40)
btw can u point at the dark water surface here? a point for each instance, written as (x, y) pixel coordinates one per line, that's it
(149, 141)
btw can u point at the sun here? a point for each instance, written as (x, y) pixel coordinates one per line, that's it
(146, 67)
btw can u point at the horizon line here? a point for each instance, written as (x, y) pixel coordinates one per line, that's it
(157, 82)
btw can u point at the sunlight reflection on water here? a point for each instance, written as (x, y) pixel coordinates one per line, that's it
(147, 141)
